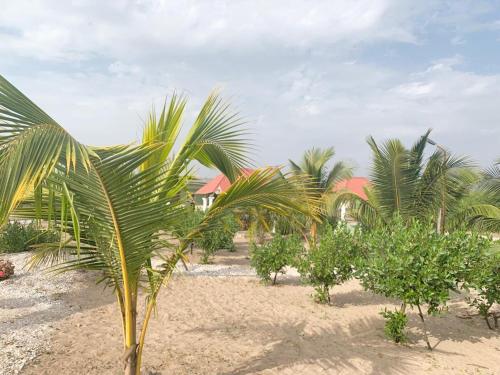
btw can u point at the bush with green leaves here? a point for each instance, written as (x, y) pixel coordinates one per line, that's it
(16, 237)
(413, 263)
(395, 324)
(330, 262)
(190, 221)
(484, 278)
(271, 258)
(220, 237)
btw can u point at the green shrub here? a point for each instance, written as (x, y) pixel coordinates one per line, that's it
(219, 238)
(395, 325)
(16, 237)
(190, 220)
(331, 262)
(413, 263)
(273, 256)
(484, 277)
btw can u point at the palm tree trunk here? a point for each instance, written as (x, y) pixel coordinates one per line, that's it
(131, 362)
(130, 355)
(144, 329)
(314, 231)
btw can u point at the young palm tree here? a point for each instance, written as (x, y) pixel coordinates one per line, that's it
(404, 183)
(115, 204)
(314, 165)
(481, 206)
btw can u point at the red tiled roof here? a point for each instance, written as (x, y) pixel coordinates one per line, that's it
(220, 183)
(355, 185)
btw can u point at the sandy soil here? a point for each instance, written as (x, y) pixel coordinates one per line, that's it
(234, 325)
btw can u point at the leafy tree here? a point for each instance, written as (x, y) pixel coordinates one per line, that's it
(331, 262)
(273, 256)
(116, 203)
(484, 278)
(314, 165)
(415, 264)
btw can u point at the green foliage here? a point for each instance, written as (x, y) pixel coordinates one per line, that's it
(220, 237)
(189, 221)
(442, 187)
(331, 262)
(415, 264)
(275, 255)
(258, 222)
(119, 201)
(315, 165)
(395, 325)
(484, 277)
(16, 237)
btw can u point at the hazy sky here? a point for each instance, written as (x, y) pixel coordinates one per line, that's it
(303, 73)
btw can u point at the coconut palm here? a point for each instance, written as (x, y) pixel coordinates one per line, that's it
(405, 183)
(314, 165)
(481, 206)
(116, 205)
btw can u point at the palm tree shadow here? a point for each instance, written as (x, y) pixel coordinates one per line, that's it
(339, 348)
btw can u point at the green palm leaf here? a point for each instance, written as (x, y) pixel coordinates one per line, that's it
(31, 145)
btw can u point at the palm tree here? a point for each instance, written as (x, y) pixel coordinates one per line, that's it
(314, 166)
(481, 206)
(404, 183)
(114, 204)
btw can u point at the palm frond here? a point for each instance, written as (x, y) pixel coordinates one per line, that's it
(31, 145)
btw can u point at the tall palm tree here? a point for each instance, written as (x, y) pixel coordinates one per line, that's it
(404, 182)
(315, 166)
(114, 204)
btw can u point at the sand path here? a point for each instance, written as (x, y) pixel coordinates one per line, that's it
(233, 325)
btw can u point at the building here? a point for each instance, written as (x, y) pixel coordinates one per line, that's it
(215, 186)
(220, 183)
(355, 185)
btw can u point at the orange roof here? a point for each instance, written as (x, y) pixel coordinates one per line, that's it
(355, 185)
(220, 183)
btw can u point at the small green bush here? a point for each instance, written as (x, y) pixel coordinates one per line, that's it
(484, 278)
(219, 238)
(273, 256)
(16, 237)
(331, 262)
(395, 325)
(190, 220)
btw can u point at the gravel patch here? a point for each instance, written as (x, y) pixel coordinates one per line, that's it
(216, 270)
(29, 302)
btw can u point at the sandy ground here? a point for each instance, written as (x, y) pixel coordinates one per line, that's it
(234, 325)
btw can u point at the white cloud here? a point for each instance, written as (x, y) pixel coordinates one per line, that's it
(120, 68)
(77, 31)
(296, 69)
